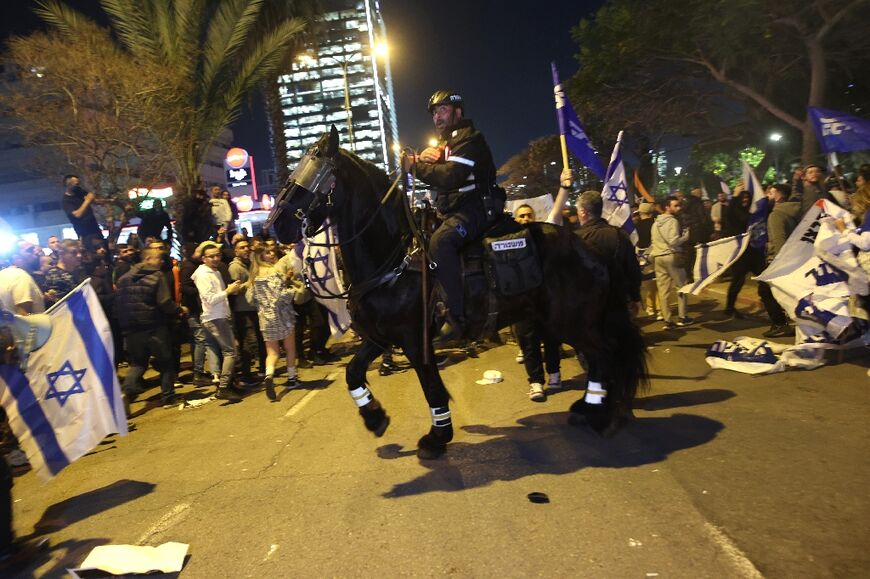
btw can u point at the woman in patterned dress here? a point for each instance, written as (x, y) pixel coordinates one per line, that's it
(273, 297)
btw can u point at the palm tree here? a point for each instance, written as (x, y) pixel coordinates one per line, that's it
(221, 50)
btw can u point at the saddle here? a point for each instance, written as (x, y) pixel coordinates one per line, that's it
(503, 262)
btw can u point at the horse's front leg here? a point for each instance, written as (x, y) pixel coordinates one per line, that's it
(373, 414)
(433, 444)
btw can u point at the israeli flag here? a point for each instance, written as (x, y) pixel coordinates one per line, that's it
(68, 399)
(757, 209)
(714, 258)
(571, 128)
(617, 207)
(838, 131)
(321, 269)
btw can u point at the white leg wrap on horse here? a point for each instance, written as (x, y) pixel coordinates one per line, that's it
(595, 393)
(361, 396)
(441, 416)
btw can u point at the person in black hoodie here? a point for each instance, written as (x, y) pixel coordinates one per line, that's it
(145, 308)
(197, 223)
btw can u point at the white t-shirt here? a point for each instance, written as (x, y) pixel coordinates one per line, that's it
(17, 287)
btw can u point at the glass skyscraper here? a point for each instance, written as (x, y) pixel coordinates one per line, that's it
(342, 78)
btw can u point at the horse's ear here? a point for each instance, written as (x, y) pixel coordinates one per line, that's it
(332, 143)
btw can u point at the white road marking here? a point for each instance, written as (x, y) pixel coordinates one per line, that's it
(733, 552)
(169, 519)
(301, 404)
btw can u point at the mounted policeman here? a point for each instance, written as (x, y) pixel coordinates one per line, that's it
(462, 173)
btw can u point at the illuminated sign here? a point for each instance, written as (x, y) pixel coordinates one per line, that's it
(239, 172)
(236, 158)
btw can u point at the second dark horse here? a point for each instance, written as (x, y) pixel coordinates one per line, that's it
(576, 303)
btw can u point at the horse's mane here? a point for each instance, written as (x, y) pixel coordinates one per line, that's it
(376, 176)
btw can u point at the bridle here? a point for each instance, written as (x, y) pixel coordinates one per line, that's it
(316, 175)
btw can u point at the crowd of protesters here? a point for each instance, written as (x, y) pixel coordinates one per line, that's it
(236, 300)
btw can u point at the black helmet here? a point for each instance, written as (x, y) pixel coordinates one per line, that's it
(444, 97)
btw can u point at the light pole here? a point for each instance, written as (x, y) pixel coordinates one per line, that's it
(775, 138)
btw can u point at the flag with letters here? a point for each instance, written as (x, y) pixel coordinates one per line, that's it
(617, 206)
(713, 259)
(569, 126)
(68, 399)
(321, 269)
(838, 131)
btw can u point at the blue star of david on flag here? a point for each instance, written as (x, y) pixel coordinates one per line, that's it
(615, 196)
(65, 375)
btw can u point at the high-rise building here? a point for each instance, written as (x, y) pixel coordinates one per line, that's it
(342, 78)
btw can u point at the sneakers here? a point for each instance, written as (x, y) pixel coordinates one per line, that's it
(170, 401)
(683, 322)
(520, 359)
(292, 382)
(201, 379)
(650, 312)
(779, 331)
(669, 326)
(536, 392)
(732, 313)
(660, 317)
(228, 395)
(15, 458)
(555, 381)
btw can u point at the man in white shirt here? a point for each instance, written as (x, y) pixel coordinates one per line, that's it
(19, 294)
(220, 209)
(216, 317)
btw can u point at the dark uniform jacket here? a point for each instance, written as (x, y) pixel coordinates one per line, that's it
(143, 301)
(465, 174)
(615, 247)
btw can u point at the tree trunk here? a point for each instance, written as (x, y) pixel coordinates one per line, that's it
(818, 81)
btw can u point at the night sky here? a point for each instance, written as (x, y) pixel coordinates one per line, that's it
(496, 53)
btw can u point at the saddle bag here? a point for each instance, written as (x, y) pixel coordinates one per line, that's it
(512, 264)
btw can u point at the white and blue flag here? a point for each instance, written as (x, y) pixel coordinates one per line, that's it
(713, 259)
(321, 268)
(723, 186)
(757, 209)
(570, 126)
(68, 399)
(617, 206)
(838, 131)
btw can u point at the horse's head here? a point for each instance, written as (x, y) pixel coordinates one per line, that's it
(306, 198)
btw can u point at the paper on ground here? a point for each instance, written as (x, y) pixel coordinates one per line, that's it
(120, 559)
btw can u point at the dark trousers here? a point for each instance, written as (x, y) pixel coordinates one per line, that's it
(530, 341)
(250, 338)
(777, 315)
(313, 317)
(141, 346)
(752, 261)
(457, 231)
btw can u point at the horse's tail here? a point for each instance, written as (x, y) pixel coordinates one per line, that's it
(628, 372)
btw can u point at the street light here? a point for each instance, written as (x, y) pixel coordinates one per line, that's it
(775, 138)
(433, 142)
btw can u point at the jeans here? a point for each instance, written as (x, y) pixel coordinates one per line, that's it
(221, 331)
(141, 346)
(203, 345)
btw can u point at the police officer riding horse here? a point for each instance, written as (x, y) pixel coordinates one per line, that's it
(461, 171)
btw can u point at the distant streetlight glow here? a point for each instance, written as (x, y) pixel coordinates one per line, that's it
(382, 49)
(775, 137)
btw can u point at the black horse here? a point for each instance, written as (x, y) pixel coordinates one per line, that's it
(576, 303)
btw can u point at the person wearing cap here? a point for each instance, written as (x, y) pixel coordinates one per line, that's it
(216, 317)
(461, 171)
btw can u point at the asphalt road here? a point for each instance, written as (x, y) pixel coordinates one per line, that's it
(720, 475)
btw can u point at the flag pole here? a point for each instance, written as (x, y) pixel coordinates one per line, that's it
(564, 151)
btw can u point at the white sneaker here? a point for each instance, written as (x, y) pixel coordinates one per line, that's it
(520, 359)
(555, 381)
(16, 458)
(536, 392)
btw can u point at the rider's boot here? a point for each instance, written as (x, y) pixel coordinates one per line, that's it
(453, 329)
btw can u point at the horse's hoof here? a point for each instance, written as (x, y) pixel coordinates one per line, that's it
(375, 418)
(598, 417)
(434, 444)
(431, 453)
